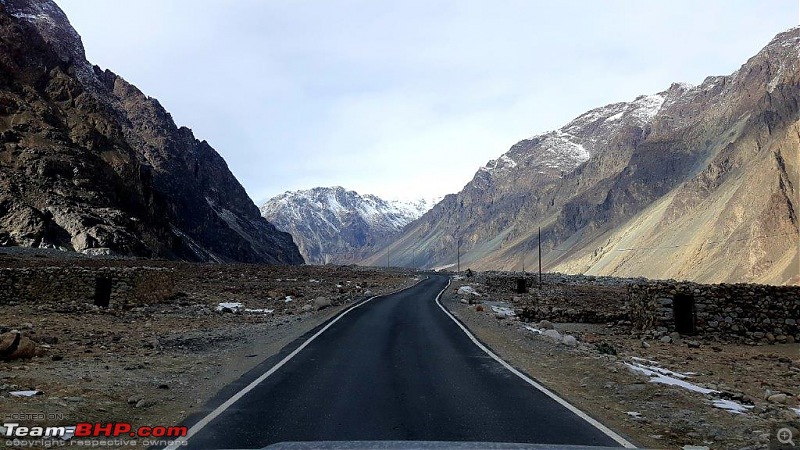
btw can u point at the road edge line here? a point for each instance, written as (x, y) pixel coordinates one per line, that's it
(235, 397)
(607, 431)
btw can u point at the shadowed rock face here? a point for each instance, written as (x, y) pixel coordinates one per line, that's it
(695, 182)
(89, 163)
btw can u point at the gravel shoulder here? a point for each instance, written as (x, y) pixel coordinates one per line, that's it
(609, 388)
(158, 364)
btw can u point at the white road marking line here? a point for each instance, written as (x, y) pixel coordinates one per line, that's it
(221, 408)
(608, 432)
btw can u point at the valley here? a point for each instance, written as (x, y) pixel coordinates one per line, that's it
(141, 284)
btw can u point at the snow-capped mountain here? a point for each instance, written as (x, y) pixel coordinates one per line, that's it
(568, 147)
(334, 225)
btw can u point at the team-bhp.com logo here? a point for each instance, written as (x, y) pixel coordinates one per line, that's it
(93, 430)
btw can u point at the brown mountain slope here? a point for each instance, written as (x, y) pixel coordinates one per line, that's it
(692, 183)
(89, 163)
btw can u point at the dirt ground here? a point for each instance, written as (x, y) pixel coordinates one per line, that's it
(609, 387)
(157, 364)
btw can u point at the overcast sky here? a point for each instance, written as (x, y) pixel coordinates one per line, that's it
(404, 99)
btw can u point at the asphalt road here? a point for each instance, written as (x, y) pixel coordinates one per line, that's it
(396, 368)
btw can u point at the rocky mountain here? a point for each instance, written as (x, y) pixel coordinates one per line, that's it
(334, 225)
(694, 182)
(91, 164)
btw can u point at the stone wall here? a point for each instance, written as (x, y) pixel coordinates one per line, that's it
(746, 313)
(737, 313)
(65, 284)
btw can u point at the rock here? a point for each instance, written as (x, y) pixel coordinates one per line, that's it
(49, 340)
(500, 316)
(464, 301)
(307, 308)
(552, 334)
(666, 339)
(644, 344)
(546, 325)
(322, 302)
(692, 344)
(134, 399)
(778, 398)
(569, 341)
(145, 403)
(163, 386)
(604, 348)
(13, 345)
(479, 308)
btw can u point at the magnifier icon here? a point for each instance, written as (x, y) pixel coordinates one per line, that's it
(785, 436)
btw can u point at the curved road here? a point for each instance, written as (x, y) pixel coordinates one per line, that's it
(395, 368)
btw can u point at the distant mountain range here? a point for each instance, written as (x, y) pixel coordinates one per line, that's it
(334, 225)
(694, 182)
(88, 163)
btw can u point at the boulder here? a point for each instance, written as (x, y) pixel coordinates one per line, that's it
(13, 345)
(546, 325)
(569, 341)
(322, 302)
(777, 398)
(553, 334)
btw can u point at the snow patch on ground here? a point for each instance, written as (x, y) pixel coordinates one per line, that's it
(533, 330)
(504, 310)
(732, 406)
(468, 290)
(24, 393)
(668, 377)
(230, 306)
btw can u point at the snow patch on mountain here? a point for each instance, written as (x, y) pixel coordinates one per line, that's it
(502, 163)
(563, 151)
(570, 146)
(328, 223)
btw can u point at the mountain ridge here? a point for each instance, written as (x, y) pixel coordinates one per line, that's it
(93, 165)
(336, 225)
(685, 145)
